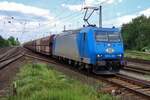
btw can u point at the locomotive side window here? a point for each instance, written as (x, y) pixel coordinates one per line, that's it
(101, 36)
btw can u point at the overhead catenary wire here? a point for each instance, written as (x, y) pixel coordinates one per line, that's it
(25, 22)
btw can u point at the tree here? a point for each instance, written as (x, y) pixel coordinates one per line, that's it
(136, 34)
(3, 42)
(11, 41)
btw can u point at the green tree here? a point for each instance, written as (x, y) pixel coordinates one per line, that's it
(11, 41)
(136, 34)
(3, 42)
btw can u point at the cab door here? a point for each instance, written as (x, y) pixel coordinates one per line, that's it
(83, 42)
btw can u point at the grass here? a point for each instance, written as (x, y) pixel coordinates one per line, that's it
(137, 55)
(39, 82)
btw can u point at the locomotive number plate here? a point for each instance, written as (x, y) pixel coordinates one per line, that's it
(101, 63)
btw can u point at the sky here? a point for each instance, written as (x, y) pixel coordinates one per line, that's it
(31, 19)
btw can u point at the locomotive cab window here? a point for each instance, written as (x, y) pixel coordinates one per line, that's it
(101, 36)
(108, 36)
(114, 37)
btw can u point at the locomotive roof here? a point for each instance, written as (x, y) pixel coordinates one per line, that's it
(67, 32)
(101, 29)
(108, 29)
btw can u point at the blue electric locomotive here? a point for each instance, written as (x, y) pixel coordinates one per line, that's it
(98, 49)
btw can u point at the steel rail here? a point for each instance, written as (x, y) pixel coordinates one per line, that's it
(8, 61)
(137, 70)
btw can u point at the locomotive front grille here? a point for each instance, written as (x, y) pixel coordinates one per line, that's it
(101, 63)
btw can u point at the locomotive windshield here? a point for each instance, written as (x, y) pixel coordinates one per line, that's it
(101, 37)
(114, 37)
(105, 36)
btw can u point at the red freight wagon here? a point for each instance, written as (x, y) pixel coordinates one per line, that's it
(44, 45)
(30, 45)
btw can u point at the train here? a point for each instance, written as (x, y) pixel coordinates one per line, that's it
(99, 50)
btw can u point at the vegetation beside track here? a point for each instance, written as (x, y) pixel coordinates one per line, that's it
(41, 82)
(137, 55)
(136, 34)
(11, 41)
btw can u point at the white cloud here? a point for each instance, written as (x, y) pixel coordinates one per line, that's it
(118, 13)
(78, 7)
(125, 19)
(109, 1)
(145, 12)
(12, 6)
(72, 7)
(119, 21)
(120, 1)
(25, 12)
(97, 2)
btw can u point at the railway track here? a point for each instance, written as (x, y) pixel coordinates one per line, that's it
(7, 53)
(136, 60)
(10, 56)
(3, 50)
(11, 59)
(137, 70)
(124, 83)
(138, 87)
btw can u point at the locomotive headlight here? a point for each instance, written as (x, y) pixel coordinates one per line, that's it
(119, 55)
(109, 50)
(98, 56)
(109, 44)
